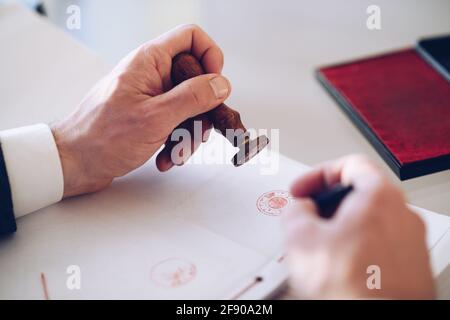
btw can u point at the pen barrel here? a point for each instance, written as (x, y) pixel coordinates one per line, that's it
(329, 200)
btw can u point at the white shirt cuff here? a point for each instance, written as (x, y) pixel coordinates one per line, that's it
(33, 167)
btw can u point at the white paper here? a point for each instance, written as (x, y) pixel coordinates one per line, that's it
(198, 231)
(201, 219)
(200, 215)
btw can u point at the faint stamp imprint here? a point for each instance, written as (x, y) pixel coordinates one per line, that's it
(173, 272)
(273, 203)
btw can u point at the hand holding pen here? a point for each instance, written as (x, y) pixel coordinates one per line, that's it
(367, 227)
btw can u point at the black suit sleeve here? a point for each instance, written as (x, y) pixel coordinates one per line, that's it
(7, 219)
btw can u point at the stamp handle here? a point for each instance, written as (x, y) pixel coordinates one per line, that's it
(186, 66)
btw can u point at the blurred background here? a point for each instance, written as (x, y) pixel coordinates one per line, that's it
(271, 51)
(248, 27)
(271, 47)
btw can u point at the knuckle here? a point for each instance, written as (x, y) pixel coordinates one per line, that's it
(115, 90)
(356, 158)
(145, 48)
(153, 50)
(191, 27)
(149, 53)
(364, 161)
(122, 79)
(383, 190)
(377, 194)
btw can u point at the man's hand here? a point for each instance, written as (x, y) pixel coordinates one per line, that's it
(131, 113)
(372, 226)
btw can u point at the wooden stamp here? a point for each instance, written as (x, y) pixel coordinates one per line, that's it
(186, 66)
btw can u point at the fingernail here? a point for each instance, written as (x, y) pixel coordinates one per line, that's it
(220, 87)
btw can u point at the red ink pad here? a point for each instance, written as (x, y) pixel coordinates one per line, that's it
(400, 104)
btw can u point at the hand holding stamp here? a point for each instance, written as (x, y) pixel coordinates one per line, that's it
(224, 119)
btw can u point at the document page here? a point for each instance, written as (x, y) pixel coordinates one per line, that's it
(197, 231)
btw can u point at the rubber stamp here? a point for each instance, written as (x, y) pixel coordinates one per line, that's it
(223, 118)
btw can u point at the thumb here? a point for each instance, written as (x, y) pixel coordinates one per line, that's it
(195, 96)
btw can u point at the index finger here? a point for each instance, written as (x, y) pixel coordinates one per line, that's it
(355, 170)
(191, 38)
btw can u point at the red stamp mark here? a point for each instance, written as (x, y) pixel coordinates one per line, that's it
(273, 203)
(173, 272)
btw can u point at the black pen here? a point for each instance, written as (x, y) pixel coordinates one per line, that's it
(328, 201)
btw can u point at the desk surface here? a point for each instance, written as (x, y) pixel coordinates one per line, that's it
(271, 52)
(271, 49)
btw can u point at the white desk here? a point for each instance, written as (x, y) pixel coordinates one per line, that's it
(271, 52)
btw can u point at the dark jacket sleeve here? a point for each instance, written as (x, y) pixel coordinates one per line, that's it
(7, 219)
